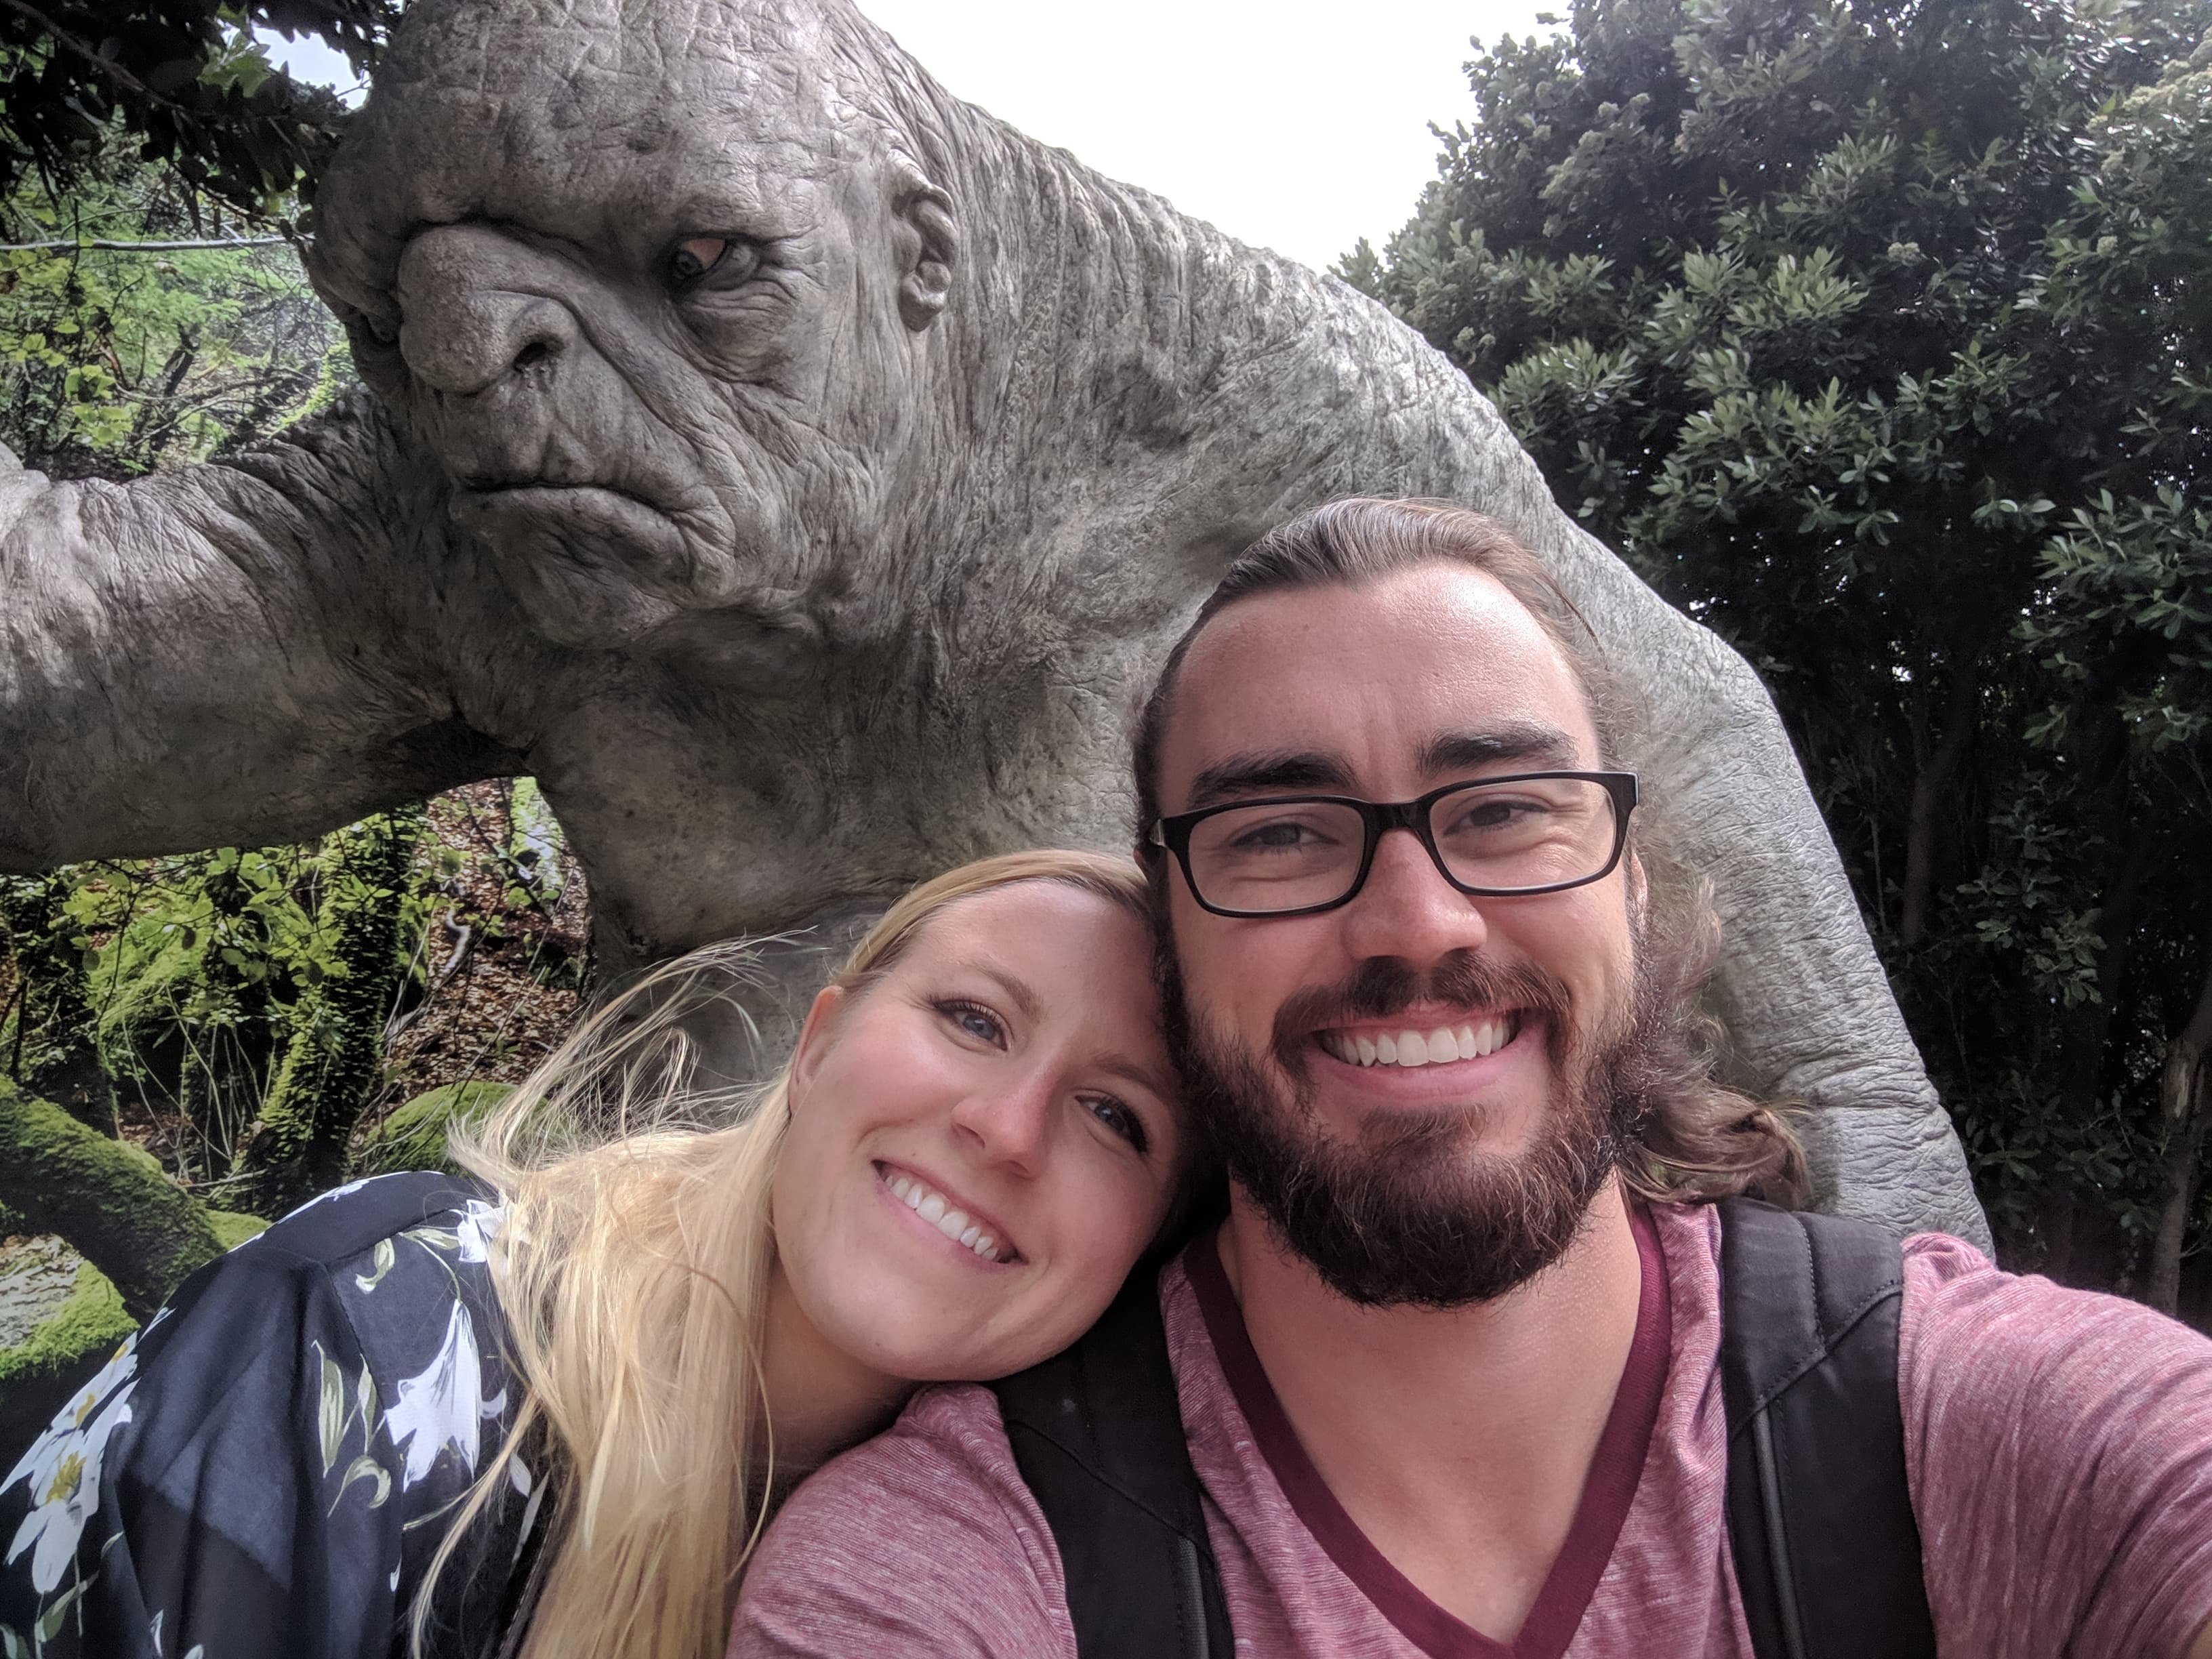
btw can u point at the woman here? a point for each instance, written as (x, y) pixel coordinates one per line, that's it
(548, 1416)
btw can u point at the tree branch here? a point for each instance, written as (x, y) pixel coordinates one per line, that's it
(109, 245)
(114, 72)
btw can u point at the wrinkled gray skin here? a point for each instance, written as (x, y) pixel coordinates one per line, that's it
(833, 567)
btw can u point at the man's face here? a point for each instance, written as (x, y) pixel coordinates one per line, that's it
(1435, 1182)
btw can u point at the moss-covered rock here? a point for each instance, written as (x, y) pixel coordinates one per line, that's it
(110, 1199)
(414, 1136)
(232, 1229)
(88, 1324)
(38, 1374)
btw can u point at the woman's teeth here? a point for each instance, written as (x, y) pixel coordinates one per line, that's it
(933, 1206)
(1438, 1047)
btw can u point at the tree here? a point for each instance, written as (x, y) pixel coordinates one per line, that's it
(182, 80)
(333, 1037)
(1879, 336)
(113, 362)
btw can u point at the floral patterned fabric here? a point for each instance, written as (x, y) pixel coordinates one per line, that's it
(269, 1466)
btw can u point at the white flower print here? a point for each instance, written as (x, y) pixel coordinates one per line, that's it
(442, 1404)
(70, 1419)
(65, 1490)
(533, 1492)
(334, 1192)
(480, 1224)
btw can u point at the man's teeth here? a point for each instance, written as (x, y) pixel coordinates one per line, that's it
(933, 1207)
(1438, 1047)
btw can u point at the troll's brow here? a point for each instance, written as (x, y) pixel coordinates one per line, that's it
(1522, 742)
(1254, 775)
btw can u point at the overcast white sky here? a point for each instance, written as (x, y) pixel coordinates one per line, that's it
(1296, 126)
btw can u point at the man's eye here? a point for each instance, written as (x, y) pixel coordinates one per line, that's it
(1283, 834)
(722, 256)
(1117, 1116)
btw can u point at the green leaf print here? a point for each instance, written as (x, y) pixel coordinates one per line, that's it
(330, 1415)
(365, 1468)
(364, 1395)
(50, 1621)
(383, 1256)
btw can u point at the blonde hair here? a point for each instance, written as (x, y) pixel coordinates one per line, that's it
(632, 1268)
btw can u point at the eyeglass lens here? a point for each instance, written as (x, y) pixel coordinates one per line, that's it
(1291, 856)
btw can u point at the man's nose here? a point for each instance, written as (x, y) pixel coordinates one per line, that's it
(462, 330)
(1008, 1125)
(1408, 909)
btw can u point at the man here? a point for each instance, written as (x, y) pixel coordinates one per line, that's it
(1451, 1370)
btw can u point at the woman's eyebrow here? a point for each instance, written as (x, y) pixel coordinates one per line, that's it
(1017, 993)
(1138, 1073)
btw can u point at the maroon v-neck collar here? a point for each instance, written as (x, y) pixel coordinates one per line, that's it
(1606, 1494)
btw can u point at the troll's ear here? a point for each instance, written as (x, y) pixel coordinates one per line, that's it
(926, 242)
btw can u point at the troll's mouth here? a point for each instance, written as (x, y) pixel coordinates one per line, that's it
(589, 524)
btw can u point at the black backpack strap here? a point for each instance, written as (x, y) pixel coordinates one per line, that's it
(1097, 1432)
(1827, 1551)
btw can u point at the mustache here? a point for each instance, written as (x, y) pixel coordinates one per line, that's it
(1383, 986)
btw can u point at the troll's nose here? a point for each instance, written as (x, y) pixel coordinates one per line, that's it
(465, 329)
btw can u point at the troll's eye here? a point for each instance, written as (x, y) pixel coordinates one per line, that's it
(725, 258)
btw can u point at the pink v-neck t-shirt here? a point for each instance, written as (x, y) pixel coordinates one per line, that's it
(2058, 1446)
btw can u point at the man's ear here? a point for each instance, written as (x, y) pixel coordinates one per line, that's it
(926, 241)
(815, 1038)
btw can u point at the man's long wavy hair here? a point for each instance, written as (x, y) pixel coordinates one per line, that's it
(1697, 1139)
(632, 1268)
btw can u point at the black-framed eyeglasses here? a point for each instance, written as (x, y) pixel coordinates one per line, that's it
(1290, 855)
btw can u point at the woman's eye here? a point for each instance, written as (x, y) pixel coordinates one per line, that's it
(1124, 1122)
(974, 1020)
(724, 257)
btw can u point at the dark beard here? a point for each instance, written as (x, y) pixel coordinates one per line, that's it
(1410, 1215)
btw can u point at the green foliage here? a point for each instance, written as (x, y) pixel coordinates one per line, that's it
(333, 1036)
(200, 965)
(183, 81)
(251, 994)
(1879, 336)
(111, 363)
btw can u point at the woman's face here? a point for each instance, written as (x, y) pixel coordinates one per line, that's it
(982, 1141)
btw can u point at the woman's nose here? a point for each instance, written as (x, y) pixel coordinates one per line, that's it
(1009, 1125)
